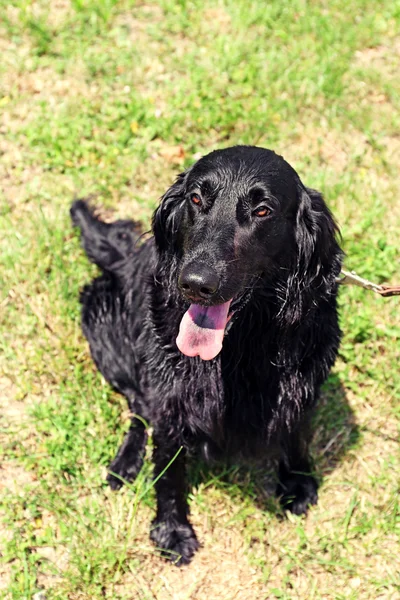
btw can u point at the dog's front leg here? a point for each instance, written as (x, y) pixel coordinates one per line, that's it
(297, 488)
(129, 459)
(171, 530)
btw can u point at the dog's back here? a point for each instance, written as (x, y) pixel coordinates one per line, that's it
(106, 311)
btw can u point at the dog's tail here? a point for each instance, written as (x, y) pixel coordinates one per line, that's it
(108, 245)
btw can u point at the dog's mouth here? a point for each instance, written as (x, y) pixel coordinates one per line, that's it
(202, 328)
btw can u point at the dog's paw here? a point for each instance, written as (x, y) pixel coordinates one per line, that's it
(176, 541)
(121, 470)
(297, 492)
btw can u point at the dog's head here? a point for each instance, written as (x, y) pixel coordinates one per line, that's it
(237, 217)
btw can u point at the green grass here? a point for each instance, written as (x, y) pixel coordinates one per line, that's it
(114, 98)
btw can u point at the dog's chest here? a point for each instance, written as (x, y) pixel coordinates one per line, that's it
(229, 406)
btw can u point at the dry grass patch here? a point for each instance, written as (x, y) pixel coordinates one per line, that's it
(220, 570)
(331, 149)
(383, 58)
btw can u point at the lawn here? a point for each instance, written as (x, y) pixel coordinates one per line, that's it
(112, 99)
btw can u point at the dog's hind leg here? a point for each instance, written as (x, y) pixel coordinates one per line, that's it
(297, 488)
(129, 459)
(107, 316)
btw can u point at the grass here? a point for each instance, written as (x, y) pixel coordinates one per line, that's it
(114, 98)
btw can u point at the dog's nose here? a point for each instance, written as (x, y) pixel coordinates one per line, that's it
(198, 280)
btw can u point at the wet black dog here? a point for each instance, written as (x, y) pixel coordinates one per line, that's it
(220, 329)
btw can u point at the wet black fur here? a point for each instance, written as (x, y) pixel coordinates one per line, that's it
(257, 395)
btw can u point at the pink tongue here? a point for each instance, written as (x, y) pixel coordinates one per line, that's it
(201, 331)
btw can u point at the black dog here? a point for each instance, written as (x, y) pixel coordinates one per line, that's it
(220, 329)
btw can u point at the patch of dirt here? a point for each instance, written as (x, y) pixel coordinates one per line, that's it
(53, 13)
(58, 13)
(220, 569)
(46, 84)
(333, 148)
(371, 69)
(383, 58)
(5, 579)
(12, 410)
(217, 17)
(13, 477)
(392, 147)
(56, 561)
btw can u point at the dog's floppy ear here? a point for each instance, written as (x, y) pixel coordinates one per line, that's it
(315, 233)
(167, 217)
(318, 257)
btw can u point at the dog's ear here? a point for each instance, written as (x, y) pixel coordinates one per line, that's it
(167, 217)
(318, 257)
(316, 233)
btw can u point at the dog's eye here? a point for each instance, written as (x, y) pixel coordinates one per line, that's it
(262, 211)
(195, 199)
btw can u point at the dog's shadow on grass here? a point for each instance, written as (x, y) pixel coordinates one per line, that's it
(335, 433)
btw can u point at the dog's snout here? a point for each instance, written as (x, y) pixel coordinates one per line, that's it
(198, 281)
